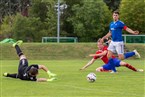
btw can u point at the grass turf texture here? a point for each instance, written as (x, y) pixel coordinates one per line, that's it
(62, 51)
(72, 83)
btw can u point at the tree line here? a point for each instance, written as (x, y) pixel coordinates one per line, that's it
(30, 20)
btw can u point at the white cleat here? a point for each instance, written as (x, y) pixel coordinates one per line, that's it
(113, 72)
(137, 54)
(140, 70)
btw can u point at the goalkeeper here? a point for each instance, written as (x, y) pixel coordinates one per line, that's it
(26, 72)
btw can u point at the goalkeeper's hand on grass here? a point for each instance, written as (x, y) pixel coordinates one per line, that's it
(51, 74)
(51, 79)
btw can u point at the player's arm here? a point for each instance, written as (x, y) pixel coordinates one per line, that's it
(46, 70)
(43, 68)
(41, 80)
(106, 36)
(45, 79)
(99, 55)
(131, 31)
(88, 64)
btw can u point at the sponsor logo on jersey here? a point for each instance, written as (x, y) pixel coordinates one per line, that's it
(112, 28)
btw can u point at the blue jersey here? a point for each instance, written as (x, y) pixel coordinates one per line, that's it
(116, 30)
(108, 66)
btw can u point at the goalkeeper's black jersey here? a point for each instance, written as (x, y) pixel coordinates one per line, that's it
(24, 75)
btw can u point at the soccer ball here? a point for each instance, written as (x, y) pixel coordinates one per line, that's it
(91, 77)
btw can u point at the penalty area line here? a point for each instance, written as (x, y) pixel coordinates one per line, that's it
(94, 90)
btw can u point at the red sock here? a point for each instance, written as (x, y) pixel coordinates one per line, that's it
(131, 67)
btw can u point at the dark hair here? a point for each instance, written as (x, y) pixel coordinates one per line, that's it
(116, 12)
(33, 71)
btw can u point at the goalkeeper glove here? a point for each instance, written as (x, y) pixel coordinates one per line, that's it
(51, 74)
(51, 79)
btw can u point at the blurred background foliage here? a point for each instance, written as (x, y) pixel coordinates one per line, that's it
(30, 20)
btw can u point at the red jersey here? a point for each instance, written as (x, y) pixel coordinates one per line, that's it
(103, 58)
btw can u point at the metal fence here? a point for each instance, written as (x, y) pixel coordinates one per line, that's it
(61, 39)
(134, 38)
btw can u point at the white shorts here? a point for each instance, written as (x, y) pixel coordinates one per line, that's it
(116, 47)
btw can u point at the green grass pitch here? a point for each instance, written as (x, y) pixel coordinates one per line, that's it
(72, 83)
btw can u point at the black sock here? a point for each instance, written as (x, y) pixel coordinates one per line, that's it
(15, 75)
(19, 52)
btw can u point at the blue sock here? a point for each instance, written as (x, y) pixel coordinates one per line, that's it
(129, 54)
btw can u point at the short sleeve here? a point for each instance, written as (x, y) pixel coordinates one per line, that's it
(121, 24)
(105, 48)
(96, 57)
(34, 65)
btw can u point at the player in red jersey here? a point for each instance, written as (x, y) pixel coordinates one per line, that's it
(102, 54)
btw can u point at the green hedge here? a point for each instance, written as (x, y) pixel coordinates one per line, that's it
(53, 51)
